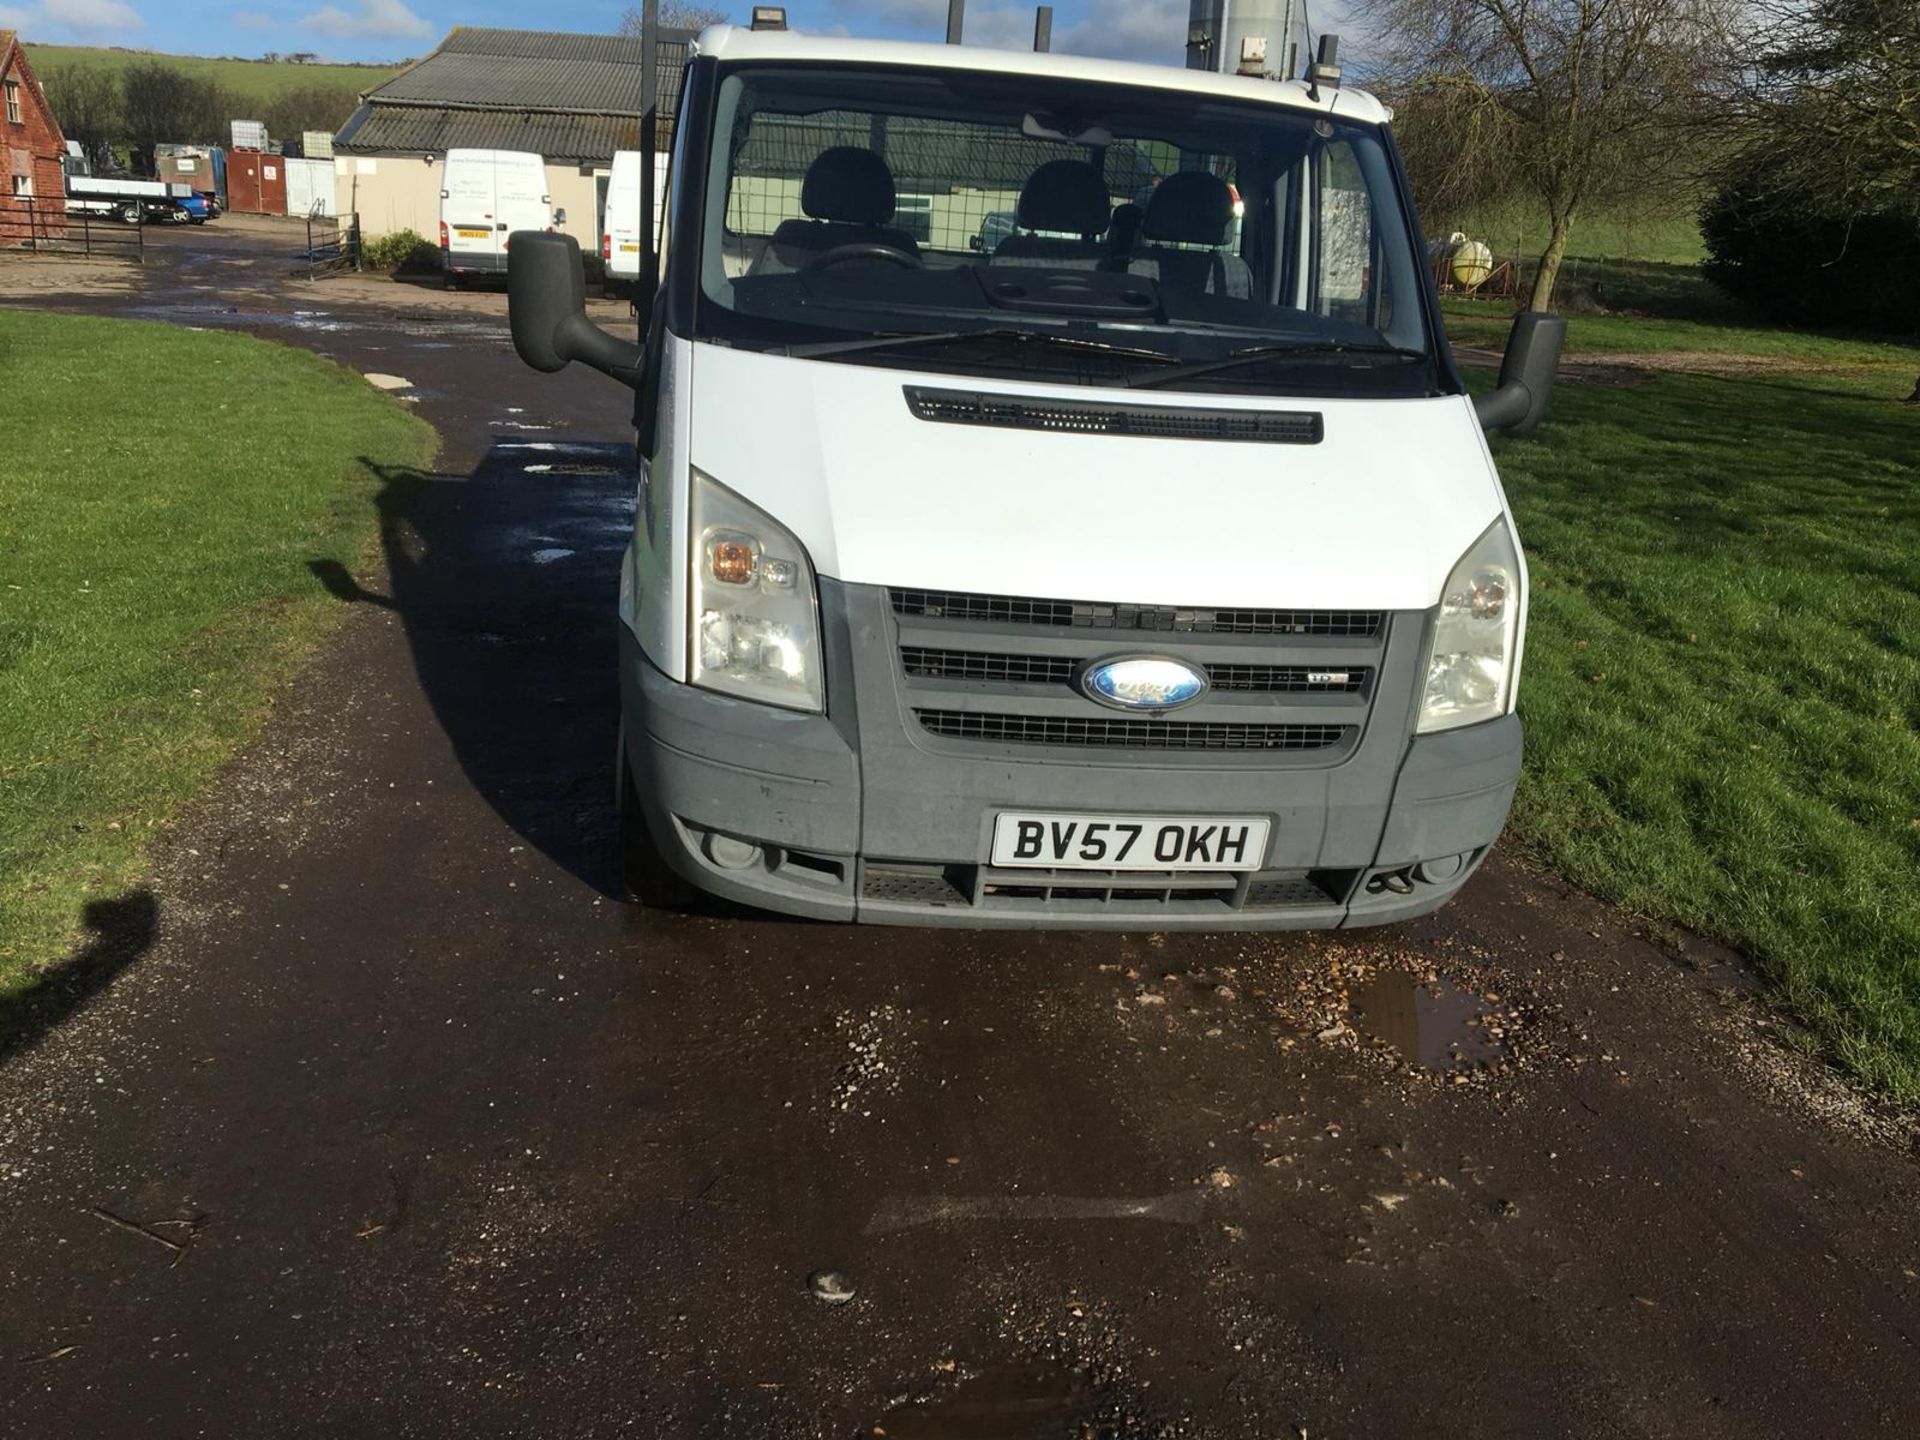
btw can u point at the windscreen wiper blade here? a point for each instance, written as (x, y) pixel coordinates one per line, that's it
(911, 339)
(1256, 354)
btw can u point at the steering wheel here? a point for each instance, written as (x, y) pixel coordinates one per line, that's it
(864, 250)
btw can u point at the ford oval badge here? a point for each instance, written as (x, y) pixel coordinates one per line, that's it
(1143, 682)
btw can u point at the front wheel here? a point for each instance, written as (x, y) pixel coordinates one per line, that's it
(649, 880)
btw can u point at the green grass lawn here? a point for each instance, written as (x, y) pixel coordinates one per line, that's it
(1722, 687)
(159, 511)
(251, 79)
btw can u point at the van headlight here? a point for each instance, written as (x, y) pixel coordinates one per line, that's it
(755, 617)
(1476, 635)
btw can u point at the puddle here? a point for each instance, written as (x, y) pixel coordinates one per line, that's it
(1432, 1024)
(1014, 1402)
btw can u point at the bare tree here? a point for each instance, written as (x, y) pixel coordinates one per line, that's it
(312, 107)
(86, 102)
(1573, 102)
(674, 15)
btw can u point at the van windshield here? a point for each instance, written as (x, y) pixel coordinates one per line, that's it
(983, 223)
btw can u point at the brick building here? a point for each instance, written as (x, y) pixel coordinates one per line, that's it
(31, 147)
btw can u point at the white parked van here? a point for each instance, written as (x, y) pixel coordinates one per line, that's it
(488, 195)
(620, 224)
(1144, 571)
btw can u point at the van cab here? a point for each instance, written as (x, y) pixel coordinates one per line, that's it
(1145, 569)
(487, 196)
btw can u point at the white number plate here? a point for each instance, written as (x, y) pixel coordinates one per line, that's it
(1129, 842)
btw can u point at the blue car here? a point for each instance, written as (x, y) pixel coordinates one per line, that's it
(191, 210)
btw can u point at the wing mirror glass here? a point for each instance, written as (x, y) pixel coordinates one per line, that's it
(547, 310)
(1519, 402)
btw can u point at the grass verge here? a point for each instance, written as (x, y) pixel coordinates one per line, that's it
(1722, 693)
(162, 492)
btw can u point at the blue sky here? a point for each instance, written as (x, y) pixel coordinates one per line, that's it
(394, 29)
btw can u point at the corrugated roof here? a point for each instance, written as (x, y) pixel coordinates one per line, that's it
(566, 96)
(536, 70)
(432, 130)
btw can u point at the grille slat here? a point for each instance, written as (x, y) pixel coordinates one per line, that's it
(1087, 615)
(1078, 417)
(928, 663)
(1102, 732)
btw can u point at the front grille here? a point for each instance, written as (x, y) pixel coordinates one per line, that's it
(1131, 734)
(1080, 417)
(929, 663)
(1088, 615)
(987, 887)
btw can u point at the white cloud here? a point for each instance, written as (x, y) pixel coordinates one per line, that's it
(88, 19)
(253, 20)
(387, 18)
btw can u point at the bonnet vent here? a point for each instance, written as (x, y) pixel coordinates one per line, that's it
(1081, 417)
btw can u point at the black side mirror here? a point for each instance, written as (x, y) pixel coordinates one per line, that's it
(547, 310)
(1519, 402)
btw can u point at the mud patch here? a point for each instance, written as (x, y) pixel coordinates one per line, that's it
(1036, 1399)
(1432, 1024)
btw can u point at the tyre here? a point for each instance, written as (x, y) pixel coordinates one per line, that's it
(649, 880)
(130, 214)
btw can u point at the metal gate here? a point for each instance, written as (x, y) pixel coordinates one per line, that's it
(44, 227)
(332, 245)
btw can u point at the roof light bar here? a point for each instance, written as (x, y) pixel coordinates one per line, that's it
(769, 17)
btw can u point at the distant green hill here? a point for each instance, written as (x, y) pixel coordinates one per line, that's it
(255, 79)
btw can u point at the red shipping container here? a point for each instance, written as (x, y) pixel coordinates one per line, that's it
(256, 182)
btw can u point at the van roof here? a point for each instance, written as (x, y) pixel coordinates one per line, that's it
(736, 43)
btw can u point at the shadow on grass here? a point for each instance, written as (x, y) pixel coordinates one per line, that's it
(123, 930)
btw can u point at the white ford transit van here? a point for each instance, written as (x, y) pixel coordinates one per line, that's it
(488, 195)
(1145, 571)
(620, 246)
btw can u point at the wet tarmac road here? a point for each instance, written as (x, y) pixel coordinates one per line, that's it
(380, 1114)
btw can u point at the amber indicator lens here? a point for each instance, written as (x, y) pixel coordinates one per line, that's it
(732, 559)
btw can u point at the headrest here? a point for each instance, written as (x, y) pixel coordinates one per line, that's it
(1065, 195)
(850, 185)
(1190, 208)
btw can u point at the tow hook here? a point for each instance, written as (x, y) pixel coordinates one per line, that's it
(1400, 882)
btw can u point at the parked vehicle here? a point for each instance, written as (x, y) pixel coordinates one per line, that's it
(134, 202)
(190, 209)
(620, 223)
(490, 194)
(1168, 587)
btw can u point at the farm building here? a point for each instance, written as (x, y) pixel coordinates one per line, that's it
(572, 99)
(33, 202)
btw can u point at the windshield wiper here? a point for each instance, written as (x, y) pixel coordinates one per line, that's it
(1002, 334)
(1255, 354)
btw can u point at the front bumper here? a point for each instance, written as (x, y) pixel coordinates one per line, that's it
(462, 262)
(859, 815)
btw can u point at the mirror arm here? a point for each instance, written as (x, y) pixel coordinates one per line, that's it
(578, 338)
(1506, 405)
